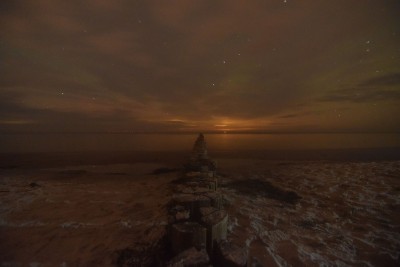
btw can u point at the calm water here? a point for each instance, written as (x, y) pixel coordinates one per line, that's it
(165, 142)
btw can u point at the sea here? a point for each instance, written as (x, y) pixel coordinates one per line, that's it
(104, 142)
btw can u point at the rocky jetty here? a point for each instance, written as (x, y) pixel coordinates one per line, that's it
(197, 224)
(199, 160)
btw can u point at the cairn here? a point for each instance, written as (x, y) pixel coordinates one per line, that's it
(197, 224)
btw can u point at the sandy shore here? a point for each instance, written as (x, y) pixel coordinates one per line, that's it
(346, 213)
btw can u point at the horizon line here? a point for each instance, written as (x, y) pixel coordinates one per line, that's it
(203, 132)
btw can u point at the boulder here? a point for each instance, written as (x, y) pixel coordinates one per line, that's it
(199, 151)
(230, 255)
(215, 199)
(191, 257)
(192, 202)
(210, 183)
(216, 223)
(187, 234)
(178, 213)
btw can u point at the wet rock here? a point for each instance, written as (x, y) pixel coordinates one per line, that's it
(199, 161)
(179, 213)
(197, 218)
(230, 255)
(187, 234)
(210, 183)
(141, 254)
(192, 202)
(215, 199)
(255, 262)
(194, 188)
(191, 257)
(216, 223)
(182, 215)
(199, 151)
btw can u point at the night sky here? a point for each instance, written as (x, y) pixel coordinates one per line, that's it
(259, 65)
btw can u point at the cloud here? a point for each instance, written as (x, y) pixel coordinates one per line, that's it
(381, 88)
(392, 79)
(183, 63)
(362, 95)
(289, 116)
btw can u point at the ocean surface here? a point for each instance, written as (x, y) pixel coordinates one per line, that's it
(103, 142)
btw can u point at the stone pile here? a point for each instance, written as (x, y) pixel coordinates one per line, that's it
(197, 225)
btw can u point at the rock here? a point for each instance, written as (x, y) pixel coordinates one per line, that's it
(254, 262)
(206, 182)
(194, 188)
(199, 151)
(215, 199)
(192, 202)
(192, 174)
(230, 255)
(182, 215)
(187, 234)
(216, 223)
(178, 213)
(199, 161)
(190, 258)
(197, 220)
(210, 183)
(34, 184)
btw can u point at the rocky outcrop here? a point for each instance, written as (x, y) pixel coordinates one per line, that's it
(187, 234)
(199, 160)
(190, 258)
(199, 151)
(229, 255)
(197, 220)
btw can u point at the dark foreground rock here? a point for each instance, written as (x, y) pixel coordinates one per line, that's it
(142, 255)
(197, 219)
(191, 257)
(230, 255)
